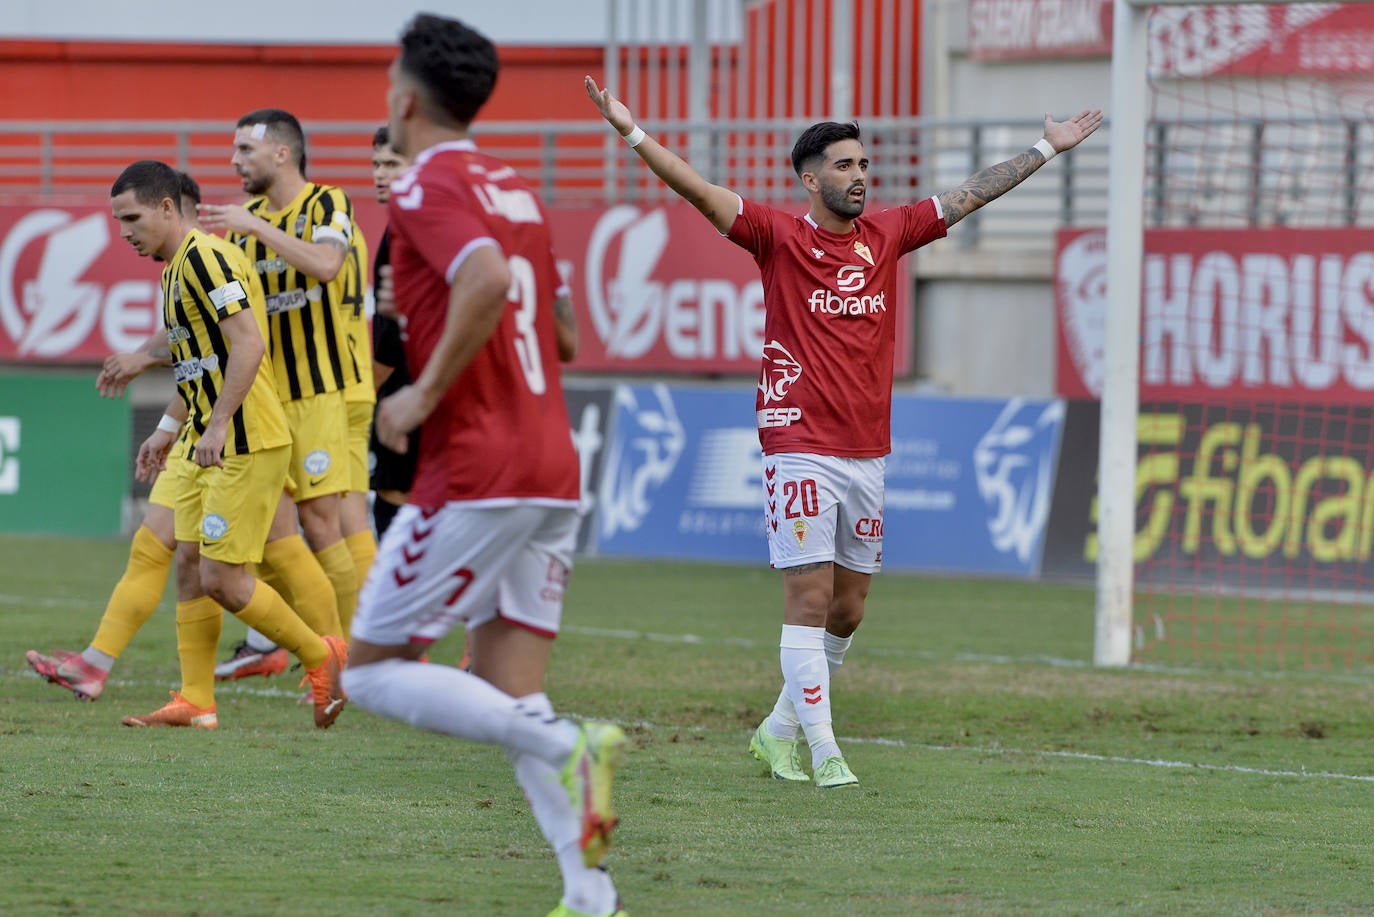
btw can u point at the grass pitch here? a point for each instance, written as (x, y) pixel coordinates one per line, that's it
(1001, 774)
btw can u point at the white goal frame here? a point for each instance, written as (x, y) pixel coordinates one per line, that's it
(1112, 631)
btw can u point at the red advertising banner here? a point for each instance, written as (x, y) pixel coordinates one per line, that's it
(657, 289)
(72, 291)
(1334, 38)
(1025, 29)
(1249, 315)
(1330, 38)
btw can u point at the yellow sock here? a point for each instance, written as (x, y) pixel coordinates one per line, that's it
(198, 626)
(363, 547)
(268, 614)
(296, 576)
(338, 566)
(136, 595)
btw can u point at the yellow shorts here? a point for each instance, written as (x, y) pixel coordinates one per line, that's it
(359, 435)
(319, 446)
(169, 480)
(229, 510)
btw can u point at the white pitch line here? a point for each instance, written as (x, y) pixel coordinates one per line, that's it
(271, 691)
(1354, 677)
(1118, 759)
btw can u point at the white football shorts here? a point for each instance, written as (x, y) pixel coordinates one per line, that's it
(820, 508)
(465, 564)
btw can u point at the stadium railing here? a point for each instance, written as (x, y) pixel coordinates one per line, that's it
(576, 164)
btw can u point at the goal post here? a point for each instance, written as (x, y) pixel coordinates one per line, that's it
(1121, 337)
(1299, 458)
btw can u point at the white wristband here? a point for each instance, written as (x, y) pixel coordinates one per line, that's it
(1046, 150)
(169, 424)
(635, 137)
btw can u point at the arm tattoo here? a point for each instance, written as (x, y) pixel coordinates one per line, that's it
(804, 568)
(335, 243)
(988, 185)
(160, 353)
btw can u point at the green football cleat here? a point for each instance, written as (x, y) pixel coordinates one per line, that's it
(833, 773)
(781, 755)
(587, 777)
(564, 911)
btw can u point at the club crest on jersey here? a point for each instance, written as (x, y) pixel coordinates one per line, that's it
(300, 224)
(800, 529)
(780, 370)
(176, 291)
(863, 252)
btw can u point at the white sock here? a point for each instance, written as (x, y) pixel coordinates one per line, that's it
(584, 889)
(446, 700)
(98, 658)
(835, 648)
(258, 642)
(806, 673)
(782, 723)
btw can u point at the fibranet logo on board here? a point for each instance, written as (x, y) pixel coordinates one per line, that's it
(58, 299)
(1253, 488)
(643, 299)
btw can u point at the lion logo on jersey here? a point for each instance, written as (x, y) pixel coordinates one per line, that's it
(780, 370)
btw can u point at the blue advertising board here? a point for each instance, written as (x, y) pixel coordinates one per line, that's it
(681, 476)
(970, 483)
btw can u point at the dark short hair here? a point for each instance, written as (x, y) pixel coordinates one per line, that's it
(813, 142)
(150, 181)
(455, 64)
(283, 127)
(190, 188)
(382, 137)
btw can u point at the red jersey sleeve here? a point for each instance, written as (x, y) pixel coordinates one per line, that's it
(756, 228)
(919, 223)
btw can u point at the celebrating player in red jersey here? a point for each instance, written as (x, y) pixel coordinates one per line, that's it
(825, 391)
(488, 533)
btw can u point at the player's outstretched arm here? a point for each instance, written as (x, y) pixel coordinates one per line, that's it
(995, 181)
(719, 205)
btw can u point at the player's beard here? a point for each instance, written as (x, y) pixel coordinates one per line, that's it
(837, 201)
(258, 185)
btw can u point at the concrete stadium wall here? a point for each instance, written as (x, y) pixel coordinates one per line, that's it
(985, 321)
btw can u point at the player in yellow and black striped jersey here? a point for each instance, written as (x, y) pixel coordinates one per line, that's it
(307, 315)
(298, 236)
(207, 281)
(360, 397)
(226, 405)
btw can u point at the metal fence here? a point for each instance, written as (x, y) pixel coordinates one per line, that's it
(577, 164)
(1238, 172)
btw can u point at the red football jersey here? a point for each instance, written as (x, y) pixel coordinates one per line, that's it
(829, 318)
(500, 433)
